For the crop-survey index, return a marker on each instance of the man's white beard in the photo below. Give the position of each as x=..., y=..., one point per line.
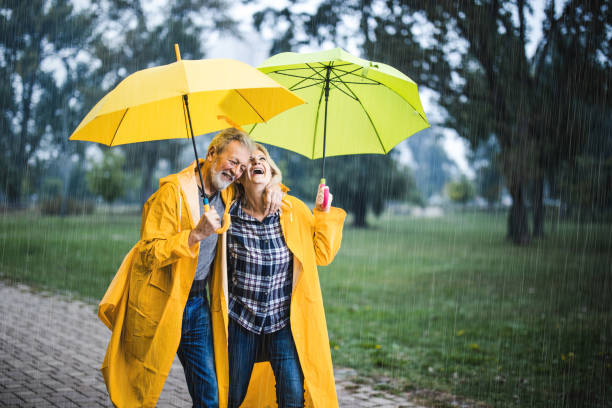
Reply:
x=218, y=180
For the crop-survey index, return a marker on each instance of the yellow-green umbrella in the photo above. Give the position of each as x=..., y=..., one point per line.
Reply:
x=184, y=99
x=364, y=106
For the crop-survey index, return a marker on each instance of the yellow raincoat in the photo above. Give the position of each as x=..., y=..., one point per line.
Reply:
x=314, y=239
x=144, y=303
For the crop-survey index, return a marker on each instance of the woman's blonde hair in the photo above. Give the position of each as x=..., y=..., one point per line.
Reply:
x=276, y=178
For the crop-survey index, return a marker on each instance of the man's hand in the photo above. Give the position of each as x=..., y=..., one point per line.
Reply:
x=209, y=223
x=273, y=198
x=321, y=196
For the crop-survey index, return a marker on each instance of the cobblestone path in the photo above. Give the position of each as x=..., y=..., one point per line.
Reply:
x=51, y=349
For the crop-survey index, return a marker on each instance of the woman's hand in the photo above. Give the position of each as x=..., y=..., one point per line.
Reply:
x=320, y=198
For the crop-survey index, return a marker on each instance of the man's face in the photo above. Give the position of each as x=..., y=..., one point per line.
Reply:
x=228, y=165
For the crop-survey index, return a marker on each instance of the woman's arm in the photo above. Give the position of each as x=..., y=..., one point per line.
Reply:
x=327, y=234
x=328, y=223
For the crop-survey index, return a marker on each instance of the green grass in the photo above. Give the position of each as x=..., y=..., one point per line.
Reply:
x=445, y=304
x=72, y=255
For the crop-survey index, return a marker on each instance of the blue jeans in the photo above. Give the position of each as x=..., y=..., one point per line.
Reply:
x=246, y=348
x=196, y=352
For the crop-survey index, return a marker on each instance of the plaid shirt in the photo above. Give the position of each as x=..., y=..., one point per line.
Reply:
x=260, y=268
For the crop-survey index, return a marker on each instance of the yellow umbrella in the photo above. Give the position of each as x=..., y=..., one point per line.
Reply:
x=150, y=104
x=160, y=102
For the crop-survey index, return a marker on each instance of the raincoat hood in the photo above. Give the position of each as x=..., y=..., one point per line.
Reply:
x=186, y=181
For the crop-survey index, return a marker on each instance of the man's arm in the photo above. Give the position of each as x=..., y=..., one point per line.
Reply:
x=275, y=191
x=162, y=241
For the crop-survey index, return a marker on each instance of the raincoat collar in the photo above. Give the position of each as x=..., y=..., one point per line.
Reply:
x=186, y=181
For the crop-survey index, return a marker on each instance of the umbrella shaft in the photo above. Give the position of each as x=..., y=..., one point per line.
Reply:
x=325, y=118
x=195, y=150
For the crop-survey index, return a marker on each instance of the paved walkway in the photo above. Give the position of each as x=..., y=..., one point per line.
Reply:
x=51, y=350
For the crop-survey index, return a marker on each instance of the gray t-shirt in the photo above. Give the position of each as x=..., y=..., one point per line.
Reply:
x=209, y=244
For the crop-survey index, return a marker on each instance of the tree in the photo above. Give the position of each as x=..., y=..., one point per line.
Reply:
x=584, y=186
x=366, y=182
x=359, y=183
x=476, y=59
x=300, y=174
x=106, y=178
x=433, y=166
x=572, y=104
x=489, y=180
x=460, y=191
x=493, y=95
x=541, y=118
x=34, y=106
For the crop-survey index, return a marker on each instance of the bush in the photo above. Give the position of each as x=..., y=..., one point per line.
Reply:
x=53, y=206
x=460, y=191
x=52, y=187
x=106, y=178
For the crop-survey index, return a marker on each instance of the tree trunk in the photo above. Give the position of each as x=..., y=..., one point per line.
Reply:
x=12, y=187
x=538, y=208
x=18, y=171
x=21, y=161
x=518, y=227
x=146, y=189
x=360, y=212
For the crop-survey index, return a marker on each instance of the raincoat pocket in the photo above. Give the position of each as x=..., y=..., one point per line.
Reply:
x=143, y=315
x=149, y=294
x=154, y=295
x=162, y=279
x=138, y=332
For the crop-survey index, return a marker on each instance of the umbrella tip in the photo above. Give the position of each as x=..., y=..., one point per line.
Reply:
x=178, y=52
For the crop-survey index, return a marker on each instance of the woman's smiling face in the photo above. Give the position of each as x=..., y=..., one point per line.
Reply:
x=258, y=170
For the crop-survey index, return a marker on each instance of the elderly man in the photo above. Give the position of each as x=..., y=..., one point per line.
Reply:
x=166, y=309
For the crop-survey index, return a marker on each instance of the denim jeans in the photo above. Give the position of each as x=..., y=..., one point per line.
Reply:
x=196, y=352
x=245, y=348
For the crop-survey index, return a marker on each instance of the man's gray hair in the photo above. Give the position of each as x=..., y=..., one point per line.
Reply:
x=226, y=136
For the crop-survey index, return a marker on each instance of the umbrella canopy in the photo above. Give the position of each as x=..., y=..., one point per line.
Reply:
x=371, y=106
x=149, y=104
x=158, y=103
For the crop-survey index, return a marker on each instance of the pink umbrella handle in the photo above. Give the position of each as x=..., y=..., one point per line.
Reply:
x=325, y=194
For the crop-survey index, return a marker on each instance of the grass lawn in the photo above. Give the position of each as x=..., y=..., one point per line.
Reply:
x=72, y=255
x=444, y=304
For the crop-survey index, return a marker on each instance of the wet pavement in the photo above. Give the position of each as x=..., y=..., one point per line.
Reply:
x=51, y=349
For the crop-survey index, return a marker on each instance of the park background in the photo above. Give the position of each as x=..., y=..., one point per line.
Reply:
x=476, y=264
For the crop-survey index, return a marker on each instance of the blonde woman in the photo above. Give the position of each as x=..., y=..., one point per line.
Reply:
x=277, y=344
